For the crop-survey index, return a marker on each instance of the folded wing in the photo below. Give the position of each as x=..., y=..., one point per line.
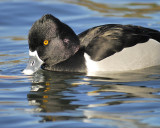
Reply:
x=103, y=41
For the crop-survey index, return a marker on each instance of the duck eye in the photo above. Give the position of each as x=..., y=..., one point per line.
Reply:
x=45, y=42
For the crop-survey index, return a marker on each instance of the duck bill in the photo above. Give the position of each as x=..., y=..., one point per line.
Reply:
x=34, y=63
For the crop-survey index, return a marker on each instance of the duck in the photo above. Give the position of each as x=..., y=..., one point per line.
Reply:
x=54, y=46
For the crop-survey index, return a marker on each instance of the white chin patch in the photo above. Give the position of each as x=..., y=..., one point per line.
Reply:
x=35, y=54
x=34, y=63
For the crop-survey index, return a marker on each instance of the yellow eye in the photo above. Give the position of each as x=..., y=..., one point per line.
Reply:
x=45, y=42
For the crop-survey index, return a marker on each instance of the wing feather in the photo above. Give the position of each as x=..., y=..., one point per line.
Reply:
x=103, y=41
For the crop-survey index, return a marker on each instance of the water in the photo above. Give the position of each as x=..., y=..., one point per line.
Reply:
x=75, y=100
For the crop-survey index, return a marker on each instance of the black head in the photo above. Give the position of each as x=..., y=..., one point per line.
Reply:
x=53, y=40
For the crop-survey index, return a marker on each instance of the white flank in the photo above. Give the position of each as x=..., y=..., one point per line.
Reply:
x=137, y=57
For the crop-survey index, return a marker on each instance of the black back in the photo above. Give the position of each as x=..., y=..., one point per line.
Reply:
x=103, y=41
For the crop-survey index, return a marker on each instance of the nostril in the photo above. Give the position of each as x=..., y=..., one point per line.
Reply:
x=32, y=63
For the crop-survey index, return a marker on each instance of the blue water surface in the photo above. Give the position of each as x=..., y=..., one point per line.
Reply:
x=75, y=100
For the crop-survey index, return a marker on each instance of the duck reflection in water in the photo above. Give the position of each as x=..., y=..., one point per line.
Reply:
x=71, y=96
x=47, y=94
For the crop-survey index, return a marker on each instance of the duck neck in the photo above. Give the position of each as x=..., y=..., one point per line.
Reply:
x=75, y=63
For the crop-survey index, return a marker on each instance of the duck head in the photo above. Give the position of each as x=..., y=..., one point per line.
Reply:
x=50, y=42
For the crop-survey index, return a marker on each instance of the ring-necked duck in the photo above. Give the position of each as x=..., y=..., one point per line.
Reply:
x=54, y=46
